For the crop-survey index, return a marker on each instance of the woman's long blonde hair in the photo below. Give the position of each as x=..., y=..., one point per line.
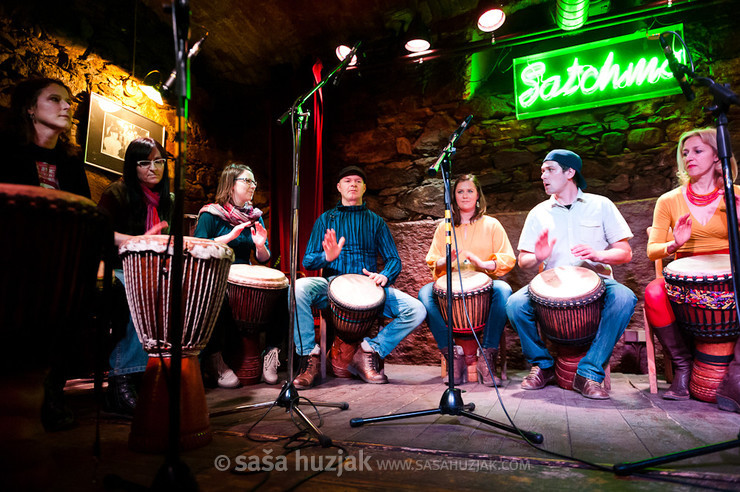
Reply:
x=709, y=137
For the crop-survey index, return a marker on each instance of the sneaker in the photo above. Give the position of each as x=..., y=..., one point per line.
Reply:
x=269, y=366
x=226, y=377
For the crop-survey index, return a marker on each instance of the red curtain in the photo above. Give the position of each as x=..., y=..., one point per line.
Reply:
x=311, y=185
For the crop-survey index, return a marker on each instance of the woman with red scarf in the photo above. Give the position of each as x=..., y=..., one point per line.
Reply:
x=688, y=221
x=138, y=203
x=233, y=220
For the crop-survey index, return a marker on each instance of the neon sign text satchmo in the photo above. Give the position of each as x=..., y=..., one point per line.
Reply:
x=607, y=72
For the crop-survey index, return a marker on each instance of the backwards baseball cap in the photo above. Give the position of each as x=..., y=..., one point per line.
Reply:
x=566, y=158
x=351, y=171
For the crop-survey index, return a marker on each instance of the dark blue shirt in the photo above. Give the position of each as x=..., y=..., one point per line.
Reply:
x=366, y=237
x=210, y=227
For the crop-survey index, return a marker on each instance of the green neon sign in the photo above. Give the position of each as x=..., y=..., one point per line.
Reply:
x=611, y=71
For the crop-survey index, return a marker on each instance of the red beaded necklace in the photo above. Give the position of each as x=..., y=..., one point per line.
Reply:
x=701, y=200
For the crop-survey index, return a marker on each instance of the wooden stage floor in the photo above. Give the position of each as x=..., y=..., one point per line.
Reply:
x=433, y=452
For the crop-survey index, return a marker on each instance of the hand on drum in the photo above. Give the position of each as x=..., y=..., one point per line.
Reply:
x=682, y=230
x=378, y=278
x=543, y=246
x=585, y=252
x=332, y=247
x=259, y=235
x=157, y=228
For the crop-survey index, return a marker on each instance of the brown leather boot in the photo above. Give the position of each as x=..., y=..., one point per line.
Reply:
x=484, y=377
x=309, y=375
x=366, y=365
x=728, y=391
x=461, y=368
x=672, y=340
x=341, y=357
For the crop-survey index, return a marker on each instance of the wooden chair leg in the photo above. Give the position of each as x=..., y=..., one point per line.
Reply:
x=650, y=349
x=322, y=345
x=502, y=354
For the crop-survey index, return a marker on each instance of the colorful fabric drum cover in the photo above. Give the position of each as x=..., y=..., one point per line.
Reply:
x=146, y=270
x=471, y=300
x=702, y=296
x=567, y=302
x=356, y=301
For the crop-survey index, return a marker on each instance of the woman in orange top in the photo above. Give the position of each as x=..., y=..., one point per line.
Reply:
x=695, y=213
x=481, y=241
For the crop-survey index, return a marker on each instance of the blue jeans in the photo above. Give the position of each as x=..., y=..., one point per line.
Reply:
x=619, y=305
x=407, y=313
x=494, y=325
x=128, y=356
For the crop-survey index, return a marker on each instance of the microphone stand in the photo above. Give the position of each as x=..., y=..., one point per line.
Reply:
x=289, y=397
x=451, y=402
x=723, y=98
x=174, y=473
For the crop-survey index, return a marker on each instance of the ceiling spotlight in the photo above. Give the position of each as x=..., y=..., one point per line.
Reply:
x=491, y=19
x=153, y=92
x=342, y=51
x=417, y=36
x=571, y=14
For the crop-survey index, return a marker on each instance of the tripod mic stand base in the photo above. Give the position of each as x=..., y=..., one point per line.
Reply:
x=289, y=399
x=450, y=404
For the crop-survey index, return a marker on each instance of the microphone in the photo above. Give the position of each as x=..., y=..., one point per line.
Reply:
x=345, y=63
x=194, y=50
x=434, y=168
x=676, y=70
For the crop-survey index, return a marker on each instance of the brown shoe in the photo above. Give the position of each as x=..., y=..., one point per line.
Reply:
x=484, y=377
x=589, y=388
x=366, y=365
x=538, y=378
x=341, y=357
x=461, y=368
x=309, y=375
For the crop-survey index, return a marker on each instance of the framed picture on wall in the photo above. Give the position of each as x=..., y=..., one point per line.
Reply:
x=110, y=128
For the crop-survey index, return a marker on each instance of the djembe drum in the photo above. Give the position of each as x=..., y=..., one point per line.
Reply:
x=147, y=273
x=52, y=245
x=253, y=291
x=355, y=303
x=701, y=294
x=567, y=303
x=471, y=301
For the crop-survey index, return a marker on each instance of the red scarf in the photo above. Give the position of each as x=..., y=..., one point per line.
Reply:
x=232, y=214
x=152, y=202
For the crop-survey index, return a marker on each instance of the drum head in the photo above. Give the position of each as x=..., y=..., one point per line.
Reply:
x=257, y=276
x=700, y=267
x=472, y=281
x=196, y=247
x=355, y=291
x=566, y=282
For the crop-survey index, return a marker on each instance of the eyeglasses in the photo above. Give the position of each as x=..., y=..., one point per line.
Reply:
x=247, y=180
x=157, y=163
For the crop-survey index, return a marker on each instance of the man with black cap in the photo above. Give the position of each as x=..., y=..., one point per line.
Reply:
x=348, y=239
x=577, y=229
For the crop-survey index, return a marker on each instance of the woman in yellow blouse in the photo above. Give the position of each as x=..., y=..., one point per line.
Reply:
x=481, y=241
x=688, y=221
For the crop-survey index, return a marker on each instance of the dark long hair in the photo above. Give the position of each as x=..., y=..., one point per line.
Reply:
x=139, y=150
x=480, y=206
x=24, y=97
